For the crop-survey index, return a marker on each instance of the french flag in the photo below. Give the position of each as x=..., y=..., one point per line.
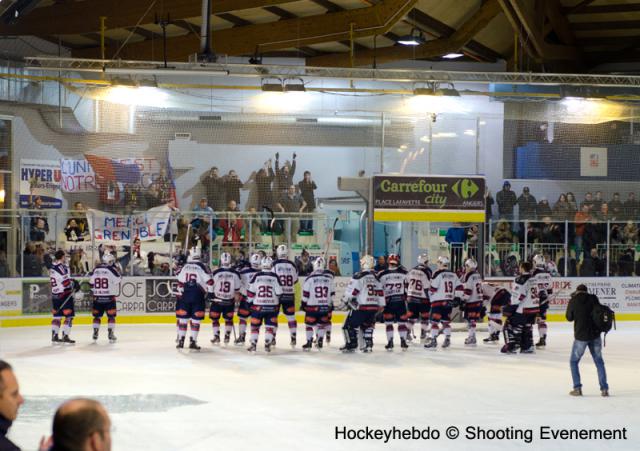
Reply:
x=110, y=170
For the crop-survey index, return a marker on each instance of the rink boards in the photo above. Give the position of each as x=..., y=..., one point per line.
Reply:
x=27, y=302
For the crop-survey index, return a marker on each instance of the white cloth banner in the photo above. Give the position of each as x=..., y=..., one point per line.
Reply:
x=77, y=176
x=118, y=229
x=593, y=162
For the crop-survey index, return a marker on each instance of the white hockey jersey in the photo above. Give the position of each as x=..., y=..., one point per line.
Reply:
x=194, y=281
x=226, y=284
x=472, y=283
x=105, y=282
x=318, y=290
x=287, y=275
x=367, y=291
x=394, y=284
x=445, y=286
x=61, y=281
x=524, y=294
x=418, y=284
x=265, y=289
x=245, y=279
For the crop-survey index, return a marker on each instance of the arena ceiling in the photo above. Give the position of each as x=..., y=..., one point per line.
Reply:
x=550, y=35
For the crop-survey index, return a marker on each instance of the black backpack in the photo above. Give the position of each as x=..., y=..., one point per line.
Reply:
x=603, y=318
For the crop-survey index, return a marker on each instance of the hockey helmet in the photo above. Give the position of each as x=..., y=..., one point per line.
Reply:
x=225, y=260
x=393, y=260
x=423, y=259
x=471, y=264
x=318, y=264
x=255, y=260
x=282, y=251
x=539, y=261
x=443, y=261
x=108, y=258
x=194, y=255
x=267, y=263
x=367, y=263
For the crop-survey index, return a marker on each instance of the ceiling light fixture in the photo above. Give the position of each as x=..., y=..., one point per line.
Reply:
x=272, y=86
x=452, y=56
x=296, y=86
x=415, y=38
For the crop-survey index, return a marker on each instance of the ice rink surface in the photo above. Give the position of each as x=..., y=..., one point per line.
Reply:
x=224, y=398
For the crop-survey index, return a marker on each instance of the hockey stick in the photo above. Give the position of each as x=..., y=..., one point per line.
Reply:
x=329, y=241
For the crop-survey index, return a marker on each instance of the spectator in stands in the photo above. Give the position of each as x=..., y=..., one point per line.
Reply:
x=205, y=217
x=488, y=205
x=594, y=234
x=581, y=219
x=456, y=237
x=163, y=187
x=527, y=206
x=597, y=201
x=472, y=241
x=588, y=202
x=592, y=265
x=264, y=178
x=381, y=264
x=307, y=186
x=631, y=207
x=333, y=267
x=533, y=233
x=303, y=264
x=233, y=184
x=253, y=226
x=551, y=232
x=292, y=203
x=81, y=424
x=503, y=234
x=214, y=187
x=39, y=226
x=615, y=235
x=506, y=200
x=80, y=218
x=10, y=402
x=562, y=209
x=603, y=212
x=284, y=174
x=630, y=233
x=131, y=197
x=543, y=209
x=573, y=204
x=626, y=263
x=72, y=231
x=616, y=208
x=162, y=269
x=32, y=266
x=4, y=265
x=232, y=225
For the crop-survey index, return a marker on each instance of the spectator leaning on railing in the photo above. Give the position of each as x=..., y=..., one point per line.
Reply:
x=307, y=187
x=527, y=206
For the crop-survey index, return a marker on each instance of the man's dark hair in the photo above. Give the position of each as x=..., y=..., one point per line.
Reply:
x=3, y=366
x=582, y=287
x=526, y=266
x=59, y=255
x=72, y=427
x=307, y=172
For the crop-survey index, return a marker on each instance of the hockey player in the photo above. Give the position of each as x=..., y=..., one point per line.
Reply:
x=244, y=312
x=365, y=298
x=498, y=298
x=444, y=291
x=472, y=299
x=287, y=274
x=525, y=307
x=226, y=289
x=393, y=280
x=264, y=295
x=63, y=288
x=545, y=290
x=105, y=282
x=194, y=285
x=317, y=297
x=418, y=283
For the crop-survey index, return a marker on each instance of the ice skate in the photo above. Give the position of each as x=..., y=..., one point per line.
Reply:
x=227, y=338
x=252, y=347
x=180, y=344
x=328, y=337
x=495, y=336
x=470, y=341
x=389, y=346
x=319, y=343
x=193, y=345
x=529, y=350
x=447, y=342
x=267, y=346
x=431, y=342
x=54, y=338
x=216, y=339
x=403, y=344
x=542, y=342
x=240, y=340
x=293, y=341
x=506, y=349
x=307, y=347
x=67, y=340
x=112, y=336
x=423, y=336
x=368, y=346
x=95, y=334
x=347, y=349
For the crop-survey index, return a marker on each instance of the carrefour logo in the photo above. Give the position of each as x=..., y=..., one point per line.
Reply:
x=465, y=188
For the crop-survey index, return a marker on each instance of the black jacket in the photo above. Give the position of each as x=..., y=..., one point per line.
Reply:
x=579, y=311
x=5, y=443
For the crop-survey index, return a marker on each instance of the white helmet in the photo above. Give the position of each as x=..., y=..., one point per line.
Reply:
x=225, y=260
x=282, y=251
x=108, y=258
x=423, y=259
x=367, y=263
x=318, y=264
x=393, y=260
x=471, y=264
x=254, y=260
x=194, y=255
x=443, y=261
x=266, y=263
x=78, y=296
x=539, y=261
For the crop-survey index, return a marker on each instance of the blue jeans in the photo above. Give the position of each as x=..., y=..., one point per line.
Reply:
x=595, y=348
